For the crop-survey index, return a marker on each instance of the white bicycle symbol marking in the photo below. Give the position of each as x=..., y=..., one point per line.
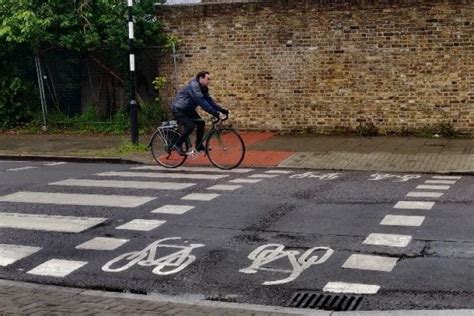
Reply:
x=325, y=176
x=271, y=252
x=403, y=178
x=174, y=262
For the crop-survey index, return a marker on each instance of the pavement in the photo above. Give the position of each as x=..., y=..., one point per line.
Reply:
x=264, y=149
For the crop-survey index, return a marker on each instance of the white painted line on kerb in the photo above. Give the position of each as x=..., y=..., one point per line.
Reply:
x=245, y=180
x=57, y=268
x=162, y=175
x=279, y=171
x=355, y=288
x=53, y=223
x=200, y=196
x=425, y=194
x=432, y=187
x=370, y=262
x=125, y=184
x=387, y=240
x=447, y=177
x=195, y=169
x=22, y=168
x=262, y=175
x=414, y=205
x=77, y=199
x=224, y=187
x=11, y=253
x=102, y=243
x=141, y=224
x=401, y=220
x=440, y=181
x=173, y=209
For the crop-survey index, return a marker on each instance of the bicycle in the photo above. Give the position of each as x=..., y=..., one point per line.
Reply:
x=223, y=146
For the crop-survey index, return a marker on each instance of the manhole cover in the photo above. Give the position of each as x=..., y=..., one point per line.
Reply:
x=332, y=302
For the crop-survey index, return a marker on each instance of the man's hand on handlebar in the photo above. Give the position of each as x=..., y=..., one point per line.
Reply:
x=223, y=116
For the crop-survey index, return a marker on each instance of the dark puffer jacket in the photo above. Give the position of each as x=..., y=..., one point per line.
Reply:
x=193, y=95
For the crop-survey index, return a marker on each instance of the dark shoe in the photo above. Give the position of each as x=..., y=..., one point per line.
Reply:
x=179, y=151
x=200, y=148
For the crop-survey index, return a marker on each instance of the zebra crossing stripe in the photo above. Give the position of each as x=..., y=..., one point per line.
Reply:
x=141, y=225
x=77, y=199
x=53, y=223
x=55, y=163
x=401, y=220
x=425, y=194
x=414, y=205
x=447, y=177
x=440, y=182
x=162, y=175
x=354, y=288
x=195, y=169
x=102, y=243
x=200, y=196
x=387, y=240
x=370, y=262
x=11, y=253
x=245, y=180
x=173, y=209
x=125, y=184
x=57, y=268
x=279, y=171
x=224, y=187
x=432, y=187
x=22, y=168
x=263, y=175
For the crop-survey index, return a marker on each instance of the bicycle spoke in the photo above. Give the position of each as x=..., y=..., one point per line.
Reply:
x=225, y=148
x=161, y=148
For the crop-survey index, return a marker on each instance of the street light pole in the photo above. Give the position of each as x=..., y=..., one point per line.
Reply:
x=133, y=102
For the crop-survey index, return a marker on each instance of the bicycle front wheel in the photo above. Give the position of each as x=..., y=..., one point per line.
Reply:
x=225, y=148
x=161, y=144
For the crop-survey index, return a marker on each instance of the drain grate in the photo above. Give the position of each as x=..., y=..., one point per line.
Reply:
x=316, y=300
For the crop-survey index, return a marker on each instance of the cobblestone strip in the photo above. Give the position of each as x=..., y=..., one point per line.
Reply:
x=19, y=298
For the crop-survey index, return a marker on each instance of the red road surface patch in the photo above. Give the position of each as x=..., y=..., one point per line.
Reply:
x=253, y=158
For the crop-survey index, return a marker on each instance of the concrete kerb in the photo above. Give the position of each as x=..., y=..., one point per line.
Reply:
x=224, y=306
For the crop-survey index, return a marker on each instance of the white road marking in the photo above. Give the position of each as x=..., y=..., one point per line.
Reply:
x=12, y=253
x=102, y=243
x=432, y=187
x=200, y=196
x=279, y=171
x=414, y=205
x=77, y=199
x=440, y=182
x=388, y=240
x=224, y=187
x=401, y=220
x=447, y=177
x=196, y=169
x=57, y=268
x=245, y=180
x=141, y=224
x=54, y=223
x=355, y=288
x=262, y=175
x=22, y=168
x=125, y=184
x=162, y=175
x=369, y=262
x=425, y=194
x=173, y=209
x=55, y=163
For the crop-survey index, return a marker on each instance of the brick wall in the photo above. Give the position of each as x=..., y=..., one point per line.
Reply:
x=331, y=65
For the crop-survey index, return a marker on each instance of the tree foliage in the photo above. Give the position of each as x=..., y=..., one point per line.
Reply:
x=98, y=27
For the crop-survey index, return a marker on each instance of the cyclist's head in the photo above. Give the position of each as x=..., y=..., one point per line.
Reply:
x=203, y=78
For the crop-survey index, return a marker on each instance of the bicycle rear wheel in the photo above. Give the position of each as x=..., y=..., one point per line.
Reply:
x=225, y=148
x=161, y=144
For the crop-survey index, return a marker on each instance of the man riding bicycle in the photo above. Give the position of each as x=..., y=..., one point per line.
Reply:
x=195, y=93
